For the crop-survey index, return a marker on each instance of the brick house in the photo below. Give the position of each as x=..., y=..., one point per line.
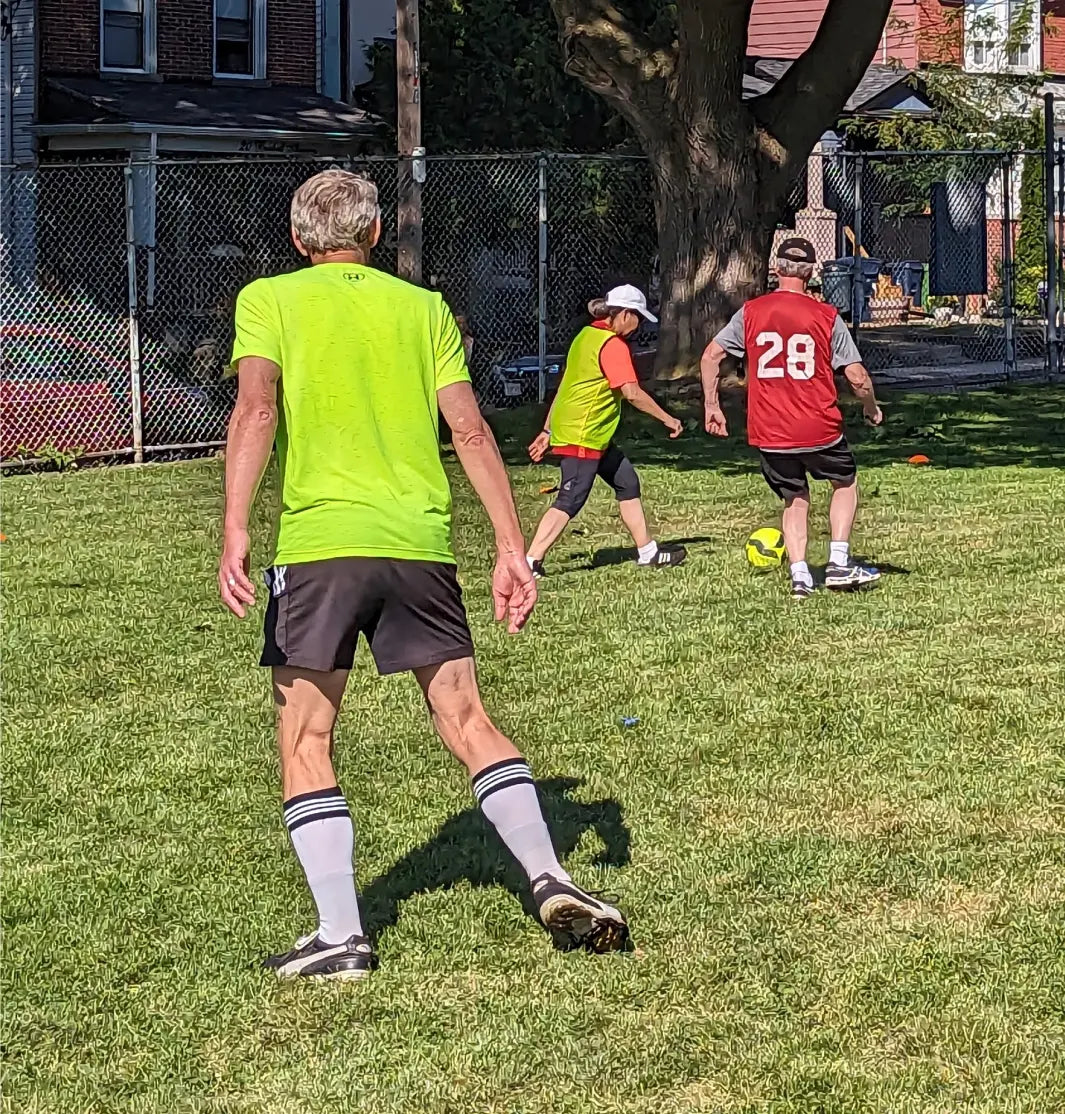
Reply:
x=977, y=36
x=969, y=33
x=86, y=77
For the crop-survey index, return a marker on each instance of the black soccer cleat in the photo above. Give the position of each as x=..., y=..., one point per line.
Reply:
x=666, y=556
x=312, y=958
x=578, y=917
x=537, y=569
x=801, y=589
x=849, y=577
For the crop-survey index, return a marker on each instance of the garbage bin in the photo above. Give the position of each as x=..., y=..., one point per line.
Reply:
x=870, y=270
x=909, y=275
x=837, y=283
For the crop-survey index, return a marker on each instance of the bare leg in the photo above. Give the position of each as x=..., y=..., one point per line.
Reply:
x=317, y=817
x=502, y=781
x=632, y=515
x=459, y=716
x=843, y=572
x=307, y=705
x=842, y=510
x=794, y=526
x=547, y=533
x=503, y=786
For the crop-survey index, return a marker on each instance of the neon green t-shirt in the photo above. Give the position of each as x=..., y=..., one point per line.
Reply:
x=362, y=355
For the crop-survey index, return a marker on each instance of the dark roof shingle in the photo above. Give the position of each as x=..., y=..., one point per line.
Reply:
x=88, y=100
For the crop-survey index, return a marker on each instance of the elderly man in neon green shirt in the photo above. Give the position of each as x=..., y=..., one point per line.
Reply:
x=348, y=368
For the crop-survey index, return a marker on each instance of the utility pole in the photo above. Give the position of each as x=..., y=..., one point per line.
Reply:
x=411, y=165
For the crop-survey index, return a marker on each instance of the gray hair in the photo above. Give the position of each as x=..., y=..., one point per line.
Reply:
x=791, y=268
x=335, y=211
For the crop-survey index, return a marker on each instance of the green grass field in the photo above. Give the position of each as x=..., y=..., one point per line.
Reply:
x=839, y=827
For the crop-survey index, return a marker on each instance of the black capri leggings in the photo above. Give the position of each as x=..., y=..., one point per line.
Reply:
x=578, y=478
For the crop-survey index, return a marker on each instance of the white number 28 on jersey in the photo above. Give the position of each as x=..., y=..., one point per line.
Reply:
x=800, y=359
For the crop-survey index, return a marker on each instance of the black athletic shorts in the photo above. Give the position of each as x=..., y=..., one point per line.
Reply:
x=411, y=613
x=786, y=473
x=578, y=477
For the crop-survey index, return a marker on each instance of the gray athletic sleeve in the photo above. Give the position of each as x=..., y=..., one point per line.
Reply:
x=844, y=350
x=731, y=336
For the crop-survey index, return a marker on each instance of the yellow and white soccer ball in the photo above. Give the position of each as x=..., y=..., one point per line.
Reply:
x=765, y=548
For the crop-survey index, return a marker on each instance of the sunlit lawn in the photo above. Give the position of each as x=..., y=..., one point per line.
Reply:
x=839, y=827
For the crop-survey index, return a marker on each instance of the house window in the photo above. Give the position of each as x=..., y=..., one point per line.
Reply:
x=980, y=52
x=127, y=35
x=240, y=38
x=1020, y=55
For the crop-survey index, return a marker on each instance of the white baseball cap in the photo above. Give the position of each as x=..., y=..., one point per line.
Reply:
x=629, y=297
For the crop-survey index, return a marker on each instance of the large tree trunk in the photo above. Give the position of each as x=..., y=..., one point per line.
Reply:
x=721, y=164
x=715, y=224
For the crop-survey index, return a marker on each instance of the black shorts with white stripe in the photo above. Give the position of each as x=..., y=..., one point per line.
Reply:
x=410, y=612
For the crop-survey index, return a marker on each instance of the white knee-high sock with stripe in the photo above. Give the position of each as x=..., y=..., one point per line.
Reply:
x=507, y=796
x=323, y=838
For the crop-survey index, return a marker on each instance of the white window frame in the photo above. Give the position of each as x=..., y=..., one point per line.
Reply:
x=147, y=47
x=258, y=44
x=1015, y=57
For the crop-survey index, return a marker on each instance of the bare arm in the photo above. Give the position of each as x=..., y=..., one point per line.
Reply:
x=513, y=586
x=861, y=384
x=636, y=396
x=542, y=441
x=710, y=373
x=251, y=437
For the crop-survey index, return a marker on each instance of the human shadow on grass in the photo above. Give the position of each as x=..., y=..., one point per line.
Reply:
x=467, y=849
x=619, y=555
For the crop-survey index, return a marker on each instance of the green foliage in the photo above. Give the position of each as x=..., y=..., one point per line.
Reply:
x=492, y=80
x=50, y=459
x=1030, y=256
x=973, y=110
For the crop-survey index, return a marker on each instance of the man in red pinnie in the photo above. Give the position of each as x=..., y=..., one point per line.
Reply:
x=793, y=344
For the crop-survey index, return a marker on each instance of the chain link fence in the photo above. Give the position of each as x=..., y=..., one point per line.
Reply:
x=120, y=280
x=926, y=267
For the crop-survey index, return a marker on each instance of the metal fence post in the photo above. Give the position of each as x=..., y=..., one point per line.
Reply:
x=1053, y=353
x=541, y=282
x=136, y=401
x=1060, y=218
x=1009, y=311
x=858, y=283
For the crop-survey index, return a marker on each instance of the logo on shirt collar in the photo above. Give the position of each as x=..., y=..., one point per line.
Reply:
x=352, y=276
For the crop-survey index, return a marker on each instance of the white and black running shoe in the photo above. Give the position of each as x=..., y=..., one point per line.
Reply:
x=850, y=576
x=666, y=556
x=578, y=917
x=801, y=589
x=313, y=958
x=537, y=569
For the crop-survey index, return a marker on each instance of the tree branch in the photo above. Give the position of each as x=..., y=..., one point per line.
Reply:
x=813, y=92
x=609, y=53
